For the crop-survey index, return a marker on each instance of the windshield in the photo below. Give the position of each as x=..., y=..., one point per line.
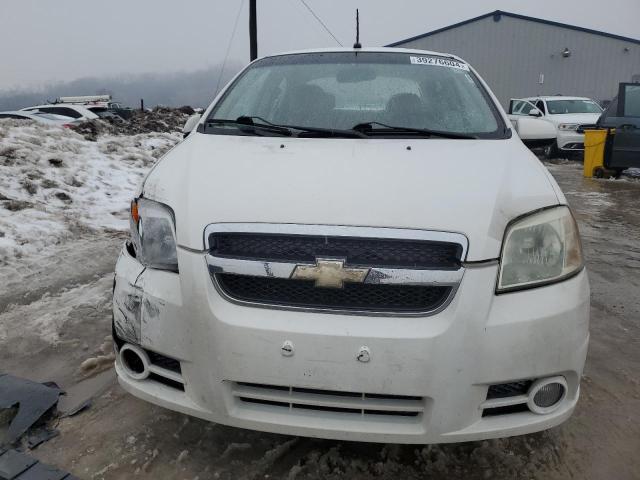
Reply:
x=559, y=107
x=341, y=90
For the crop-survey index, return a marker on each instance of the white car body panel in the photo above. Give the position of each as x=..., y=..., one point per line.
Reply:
x=536, y=129
x=438, y=366
x=47, y=119
x=85, y=113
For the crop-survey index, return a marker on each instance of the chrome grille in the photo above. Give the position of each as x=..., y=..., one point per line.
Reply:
x=399, y=271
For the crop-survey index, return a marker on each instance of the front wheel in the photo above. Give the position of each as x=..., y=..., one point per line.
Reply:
x=551, y=151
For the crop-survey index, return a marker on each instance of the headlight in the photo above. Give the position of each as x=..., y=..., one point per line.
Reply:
x=153, y=234
x=541, y=248
x=568, y=126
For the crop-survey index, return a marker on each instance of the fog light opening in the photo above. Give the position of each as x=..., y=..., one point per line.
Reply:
x=547, y=394
x=135, y=361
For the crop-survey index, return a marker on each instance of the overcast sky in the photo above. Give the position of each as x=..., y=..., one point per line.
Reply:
x=43, y=41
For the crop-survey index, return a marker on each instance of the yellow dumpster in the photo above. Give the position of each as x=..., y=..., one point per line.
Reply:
x=594, y=142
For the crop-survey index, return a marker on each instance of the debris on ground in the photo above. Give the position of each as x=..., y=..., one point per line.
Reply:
x=84, y=405
x=95, y=363
x=15, y=465
x=160, y=119
x=34, y=400
x=183, y=456
x=41, y=435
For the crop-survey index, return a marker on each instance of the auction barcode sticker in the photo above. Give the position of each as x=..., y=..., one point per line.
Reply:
x=442, y=62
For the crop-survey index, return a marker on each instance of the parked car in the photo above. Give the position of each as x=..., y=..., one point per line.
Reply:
x=623, y=115
x=353, y=244
x=77, y=112
x=112, y=110
x=569, y=115
x=106, y=113
x=101, y=105
x=46, y=118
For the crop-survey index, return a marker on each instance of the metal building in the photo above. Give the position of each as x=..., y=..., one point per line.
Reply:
x=522, y=56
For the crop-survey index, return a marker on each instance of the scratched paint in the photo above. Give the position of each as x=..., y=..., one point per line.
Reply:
x=127, y=300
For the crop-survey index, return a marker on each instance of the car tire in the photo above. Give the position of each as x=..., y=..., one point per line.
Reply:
x=551, y=151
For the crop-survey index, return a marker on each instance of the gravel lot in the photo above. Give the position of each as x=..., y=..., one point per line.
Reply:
x=65, y=295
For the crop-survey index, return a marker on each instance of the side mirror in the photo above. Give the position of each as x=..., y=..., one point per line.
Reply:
x=535, y=133
x=534, y=112
x=190, y=124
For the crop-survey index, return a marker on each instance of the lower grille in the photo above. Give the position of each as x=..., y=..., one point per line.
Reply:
x=506, y=398
x=354, y=296
x=507, y=409
x=512, y=389
x=164, y=362
x=586, y=126
x=348, y=403
x=166, y=381
x=573, y=146
x=157, y=359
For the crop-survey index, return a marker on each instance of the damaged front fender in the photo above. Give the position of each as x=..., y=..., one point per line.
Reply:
x=146, y=302
x=127, y=299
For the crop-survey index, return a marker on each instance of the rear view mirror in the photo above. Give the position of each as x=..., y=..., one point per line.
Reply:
x=355, y=73
x=534, y=112
x=190, y=124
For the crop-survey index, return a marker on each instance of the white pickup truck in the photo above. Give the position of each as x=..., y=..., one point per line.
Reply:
x=354, y=244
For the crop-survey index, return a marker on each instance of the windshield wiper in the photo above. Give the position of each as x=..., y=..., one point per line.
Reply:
x=264, y=124
x=245, y=121
x=327, y=132
x=368, y=128
x=324, y=132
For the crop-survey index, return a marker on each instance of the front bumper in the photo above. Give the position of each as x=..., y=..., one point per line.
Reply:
x=447, y=360
x=570, y=141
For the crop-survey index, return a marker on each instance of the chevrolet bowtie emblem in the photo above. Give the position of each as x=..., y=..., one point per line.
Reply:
x=329, y=273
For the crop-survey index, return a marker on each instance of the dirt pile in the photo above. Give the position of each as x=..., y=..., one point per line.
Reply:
x=160, y=119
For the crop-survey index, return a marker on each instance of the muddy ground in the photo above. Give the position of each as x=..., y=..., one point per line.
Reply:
x=120, y=437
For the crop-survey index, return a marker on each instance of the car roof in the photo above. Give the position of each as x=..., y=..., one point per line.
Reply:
x=555, y=97
x=367, y=49
x=70, y=105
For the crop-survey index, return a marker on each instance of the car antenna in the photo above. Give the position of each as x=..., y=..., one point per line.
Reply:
x=357, y=44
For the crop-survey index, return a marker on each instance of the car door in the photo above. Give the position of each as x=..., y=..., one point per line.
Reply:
x=534, y=131
x=518, y=107
x=541, y=106
x=623, y=114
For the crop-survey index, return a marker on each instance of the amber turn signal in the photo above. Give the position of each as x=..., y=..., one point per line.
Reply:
x=134, y=212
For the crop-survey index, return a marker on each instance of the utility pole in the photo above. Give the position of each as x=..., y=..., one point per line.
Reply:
x=253, y=31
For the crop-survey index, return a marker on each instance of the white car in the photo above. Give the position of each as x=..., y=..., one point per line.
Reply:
x=353, y=244
x=569, y=115
x=46, y=118
x=77, y=112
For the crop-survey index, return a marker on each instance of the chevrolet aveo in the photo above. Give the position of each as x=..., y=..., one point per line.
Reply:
x=354, y=244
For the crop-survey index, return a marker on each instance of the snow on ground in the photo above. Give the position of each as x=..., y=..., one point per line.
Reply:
x=47, y=317
x=54, y=184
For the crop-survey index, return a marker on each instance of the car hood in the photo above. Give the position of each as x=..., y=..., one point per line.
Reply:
x=474, y=187
x=580, y=118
